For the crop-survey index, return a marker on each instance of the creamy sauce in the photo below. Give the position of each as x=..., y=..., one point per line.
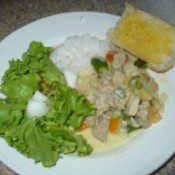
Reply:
x=112, y=140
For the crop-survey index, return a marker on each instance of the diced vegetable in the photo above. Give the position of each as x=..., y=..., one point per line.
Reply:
x=140, y=64
x=36, y=108
x=82, y=127
x=130, y=128
x=123, y=115
x=38, y=96
x=38, y=105
x=110, y=56
x=115, y=124
x=99, y=65
x=136, y=82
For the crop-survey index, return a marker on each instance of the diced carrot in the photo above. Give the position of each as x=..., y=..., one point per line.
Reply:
x=82, y=127
x=110, y=56
x=154, y=115
x=114, y=125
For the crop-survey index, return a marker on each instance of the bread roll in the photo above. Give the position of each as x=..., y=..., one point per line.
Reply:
x=145, y=36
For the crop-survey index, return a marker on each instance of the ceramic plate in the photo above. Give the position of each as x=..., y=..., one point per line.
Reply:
x=141, y=154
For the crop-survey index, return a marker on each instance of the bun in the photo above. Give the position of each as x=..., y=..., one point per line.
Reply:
x=145, y=36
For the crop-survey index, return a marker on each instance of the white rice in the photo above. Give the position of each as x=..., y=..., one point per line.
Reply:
x=76, y=52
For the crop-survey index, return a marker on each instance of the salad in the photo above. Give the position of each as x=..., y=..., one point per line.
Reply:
x=44, y=138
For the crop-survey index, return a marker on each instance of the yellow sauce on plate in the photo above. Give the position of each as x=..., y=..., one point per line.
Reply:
x=112, y=140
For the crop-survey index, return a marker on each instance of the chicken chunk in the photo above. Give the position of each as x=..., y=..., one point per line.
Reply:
x=119, y=60
x=100, y=129
x=132, y=105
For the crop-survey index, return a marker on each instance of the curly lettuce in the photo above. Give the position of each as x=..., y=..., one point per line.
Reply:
x=44, y=139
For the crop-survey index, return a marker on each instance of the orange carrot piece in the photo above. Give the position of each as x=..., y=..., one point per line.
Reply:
x=82, y=127
x=114, y=125
x=110, y=56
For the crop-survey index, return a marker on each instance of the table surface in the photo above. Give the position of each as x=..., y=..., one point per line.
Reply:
x=17, y=13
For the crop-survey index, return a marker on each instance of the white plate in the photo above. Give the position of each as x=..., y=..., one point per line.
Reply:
x=141, y=155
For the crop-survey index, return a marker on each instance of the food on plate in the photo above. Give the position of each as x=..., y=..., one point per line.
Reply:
x=117, y=83
x=77, y=51
x=147, y=37
x=125, y=95
x=52, y=96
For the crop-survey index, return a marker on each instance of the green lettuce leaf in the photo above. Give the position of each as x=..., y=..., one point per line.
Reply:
x=82, y=148
x=23, y=76
x=43, y=139
x=32, y=142
x=10, y=114
x=70, y=108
